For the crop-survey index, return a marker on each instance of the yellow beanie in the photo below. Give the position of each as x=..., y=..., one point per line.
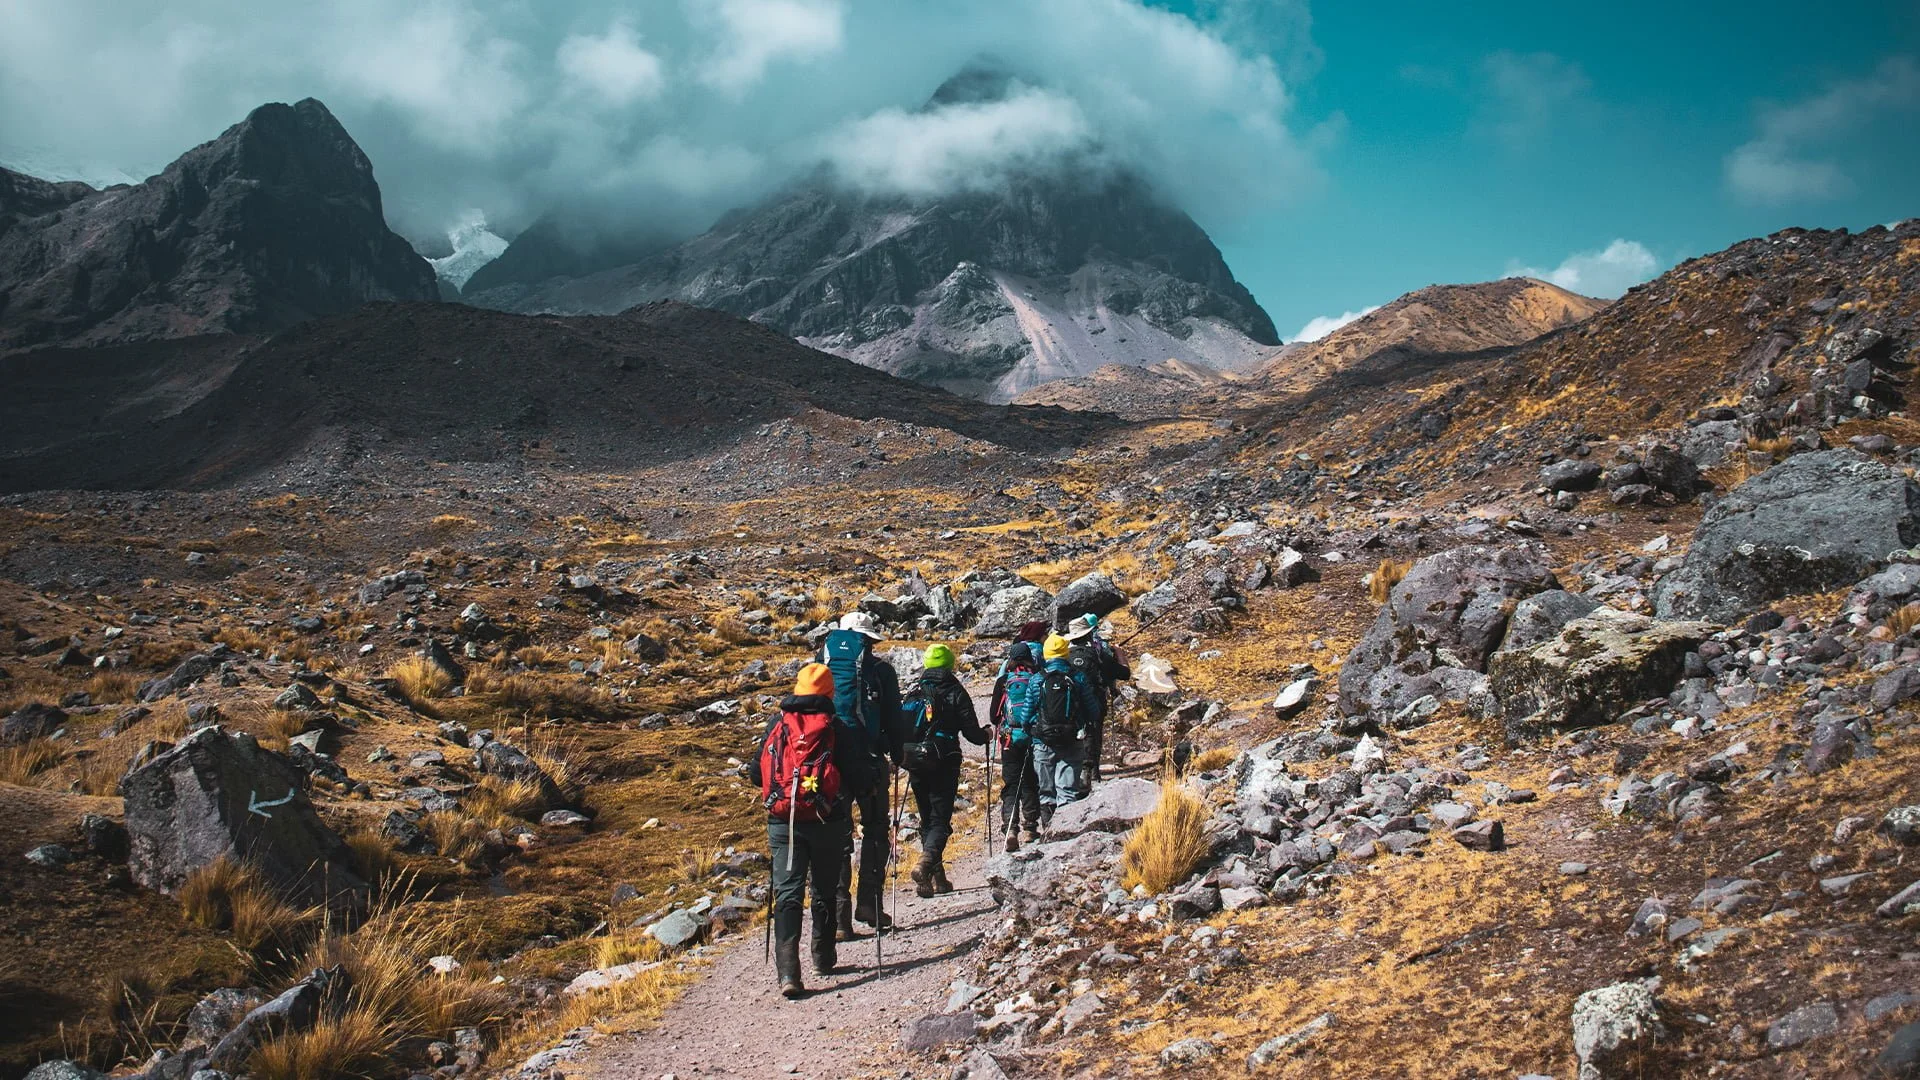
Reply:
x=1055, y=648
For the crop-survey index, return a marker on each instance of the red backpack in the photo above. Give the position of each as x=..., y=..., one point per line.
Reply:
x=798, y=778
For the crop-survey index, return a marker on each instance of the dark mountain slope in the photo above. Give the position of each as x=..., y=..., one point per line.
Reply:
x=277, y=220
x=448, y=382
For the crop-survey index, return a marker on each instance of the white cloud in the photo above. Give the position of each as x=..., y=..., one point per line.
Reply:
x=755, y=33
x=1527, y=93
x=1322, y=325
x=613, y=67
x=1606, y=273
x=1782, y=162
x=957, y=147
x=671, y=112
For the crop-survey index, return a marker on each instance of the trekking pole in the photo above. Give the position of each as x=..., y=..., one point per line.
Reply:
x=768, y=958
x=793, y=817
x=988, y=807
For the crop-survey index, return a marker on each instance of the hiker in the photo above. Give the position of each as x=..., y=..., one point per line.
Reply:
x=808, y=764
x=933, y=717
x=1097, y=663
x=1015, y=705
x=1058, y=750
x=867, y=694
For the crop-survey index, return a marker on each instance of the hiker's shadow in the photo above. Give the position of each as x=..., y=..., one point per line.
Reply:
x=899, y=967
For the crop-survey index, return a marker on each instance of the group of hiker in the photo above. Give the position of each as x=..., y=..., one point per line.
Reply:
x=841, y=739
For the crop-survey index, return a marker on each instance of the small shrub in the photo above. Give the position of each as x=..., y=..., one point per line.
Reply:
x=20, y=764
x=374, y=855
x=1389, y=573
x=1903, y=621
x=456, y=836
x=1218, y=757
x=1168, y=843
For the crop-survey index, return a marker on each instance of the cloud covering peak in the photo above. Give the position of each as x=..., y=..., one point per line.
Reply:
x=674, y=110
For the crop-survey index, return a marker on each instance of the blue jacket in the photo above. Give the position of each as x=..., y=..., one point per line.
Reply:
x=1087, y=705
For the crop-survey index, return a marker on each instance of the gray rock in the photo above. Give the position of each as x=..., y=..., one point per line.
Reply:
x=34, y=720
x=49, y=856
x=1451, y=815
x=1671, y=471
x=1831, y=746
x=1482, y=836
x=1904, y=902
x=1450, y=611
x=294, y=1010
x=382, y=587
x=563, y=819
x=1598, y=667
x=1033, y=881
x=1814, y=522
x=1149, y=606
x=930, y=1033
x=1572, y=474
x=1901, y=825
x=1612, y=1027
x=1294, y=697
x=1194, y=903
x=1094, y=594
x=218, y=1013
x=677, y=930
x=1080, y=1010
x=1188, y=1052
x=1898, y=1060
x=104, y=837
x=1803, y=1025
x=1009, y=609
x=62, y=1069
x=1541, y=617
x=1898, y=583
x=190, y=671
x=1270, y=1051
x=510, y=763
x=297, y=696
x=1115, y=806
x=1901, y=684
x=1649, y=918
x=1888, y=1004
x=220, y=795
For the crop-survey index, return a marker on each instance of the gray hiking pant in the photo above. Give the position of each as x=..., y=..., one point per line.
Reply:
x=1057, y=768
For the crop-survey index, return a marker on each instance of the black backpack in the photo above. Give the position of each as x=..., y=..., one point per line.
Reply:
x=1057, y=724
x=1087, y=669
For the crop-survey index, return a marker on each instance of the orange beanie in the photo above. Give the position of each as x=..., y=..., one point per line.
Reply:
x=814, y=680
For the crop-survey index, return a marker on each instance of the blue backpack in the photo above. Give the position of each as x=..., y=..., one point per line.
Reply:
x=846, y=656
x=1022, y=702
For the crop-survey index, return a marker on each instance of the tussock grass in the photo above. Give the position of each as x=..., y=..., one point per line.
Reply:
x=353, y=1043
x=419, y=680
x=1168, y=843
x=244, y=639
x=1389, y=573
x=20, y=764
x=375, y=856
x=457, y=836
x=625, y=947
x=1218, y=757
x=495, y=799
x=535, y=695
x=109, y=687
x=230, y=895
x=1903, y=621
x=449, y=523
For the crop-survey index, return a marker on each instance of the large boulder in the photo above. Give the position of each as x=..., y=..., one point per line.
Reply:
x=1094, y=594
x=220, y=795
x=1540, y=617
x=296, y=1009
x=34, y=720
x=1593, y=671
x=1613, y=1029
x=506, y=762
x=1036, y=879
x=1441, y=621
x=1814, y=522
x=1115, y=806
x=1006, y=611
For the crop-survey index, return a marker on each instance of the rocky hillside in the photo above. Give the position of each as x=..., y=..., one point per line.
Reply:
x=275, y=221
x=1439, y=319
x=448, y=382
x=985, y=294
x=1169, y=388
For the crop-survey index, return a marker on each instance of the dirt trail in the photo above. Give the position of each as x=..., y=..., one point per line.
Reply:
x=733, y=1022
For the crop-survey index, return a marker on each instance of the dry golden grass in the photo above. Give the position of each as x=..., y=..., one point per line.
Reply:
x=625, y=947
x=374, y=854
x=496, y=800
x=110, y=687
x=280, y=726
x=20, y=764
x=244, y=639
x=354, y=1043
x=1389, y=573
x=1218, y=757
x=824, y=606
x=457, y=836
x=419, y=680
x=230, y=895
x=450, y=523
x=1904, y=620
x=732, y=631
x=542, y=696
x=1168, y=843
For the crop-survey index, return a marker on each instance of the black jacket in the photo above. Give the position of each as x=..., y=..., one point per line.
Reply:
x=850, y=753
x=950, y=710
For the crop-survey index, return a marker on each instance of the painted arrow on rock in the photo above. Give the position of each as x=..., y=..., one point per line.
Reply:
x=256, y=807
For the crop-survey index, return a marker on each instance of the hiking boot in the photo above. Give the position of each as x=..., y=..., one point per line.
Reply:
x=941, y=885
x=1013, y=840
x=867, y=910
x=923, y=877
x=786, y=961
x=843, y=915
x=825, y=956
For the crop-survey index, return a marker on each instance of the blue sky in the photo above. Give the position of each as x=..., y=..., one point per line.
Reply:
x=1481, y=138
x=1340, y=154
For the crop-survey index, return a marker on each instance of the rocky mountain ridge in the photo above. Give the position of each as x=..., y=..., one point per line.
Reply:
x=277, y=220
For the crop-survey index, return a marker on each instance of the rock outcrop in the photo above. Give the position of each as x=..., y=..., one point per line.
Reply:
x=220, y=795
x=276, y=221
x=1439, y=625
x=1815, y=522
x=1596, y=668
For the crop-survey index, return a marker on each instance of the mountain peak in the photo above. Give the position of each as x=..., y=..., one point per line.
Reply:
x=983, y=80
